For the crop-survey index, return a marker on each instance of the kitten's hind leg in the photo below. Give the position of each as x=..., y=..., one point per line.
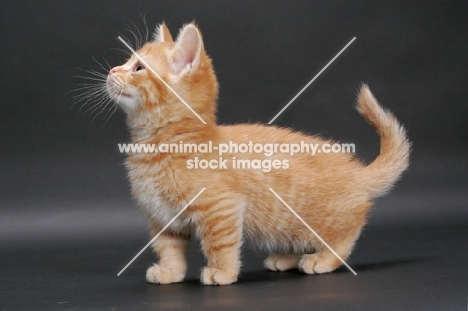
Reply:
x=319, y=263
x=282, y=262
x=172, y=265
x=324, y=261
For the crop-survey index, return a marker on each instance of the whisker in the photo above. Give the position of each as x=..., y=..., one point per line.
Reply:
x=87, y=97
x=90, y=93
x=112, y=110
x=122, y=51
x=109, y=66
x=108, y=114
x=135, y=39
x=96, y=111
x=104, y=104
x=79, y=99
x=94, y=72
x=93, y=108
x=138, y=35
x=100, y=79
x=101, y=76
x=100, y=65
x=146, y=38
x=83, y=90
x=84, y=86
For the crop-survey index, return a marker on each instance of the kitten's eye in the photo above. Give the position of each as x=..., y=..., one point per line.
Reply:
x=139, y=67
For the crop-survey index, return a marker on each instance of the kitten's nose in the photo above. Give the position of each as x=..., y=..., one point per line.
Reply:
x=112, y=71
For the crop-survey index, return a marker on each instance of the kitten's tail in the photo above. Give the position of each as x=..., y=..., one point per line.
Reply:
x=395, y=147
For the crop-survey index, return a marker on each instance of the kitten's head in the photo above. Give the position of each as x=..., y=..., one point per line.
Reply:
x=182, y=64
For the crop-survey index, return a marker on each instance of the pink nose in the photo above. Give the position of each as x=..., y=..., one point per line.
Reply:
x=112, y=71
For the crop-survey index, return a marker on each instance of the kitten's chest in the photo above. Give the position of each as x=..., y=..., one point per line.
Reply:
x=155, y=191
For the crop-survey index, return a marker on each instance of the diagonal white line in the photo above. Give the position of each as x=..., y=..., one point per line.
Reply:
x=310, y=82
x=313, y=231
x=162, y=230
x=161, y=79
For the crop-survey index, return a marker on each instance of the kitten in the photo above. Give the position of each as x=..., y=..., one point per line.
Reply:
x=332, y=192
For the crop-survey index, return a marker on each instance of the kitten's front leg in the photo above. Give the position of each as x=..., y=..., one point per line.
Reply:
x=171, y=250
x=221, y=237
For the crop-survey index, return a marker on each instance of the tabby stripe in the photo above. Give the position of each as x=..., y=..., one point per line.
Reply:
x=225, y=230
x=219, y=247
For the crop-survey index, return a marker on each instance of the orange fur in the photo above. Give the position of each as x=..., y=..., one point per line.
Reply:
x=331, y=192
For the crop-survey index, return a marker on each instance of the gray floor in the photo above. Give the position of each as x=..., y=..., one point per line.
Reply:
x=68, y=259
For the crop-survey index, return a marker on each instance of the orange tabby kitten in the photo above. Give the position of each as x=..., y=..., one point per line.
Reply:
x=332, y=192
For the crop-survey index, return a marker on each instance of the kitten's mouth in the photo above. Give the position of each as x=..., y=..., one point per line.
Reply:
x=125, y=95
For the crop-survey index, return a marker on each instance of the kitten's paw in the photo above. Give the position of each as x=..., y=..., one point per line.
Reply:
x=213, y=276
x=317, y=264
x=278, y=262
x=162, y=275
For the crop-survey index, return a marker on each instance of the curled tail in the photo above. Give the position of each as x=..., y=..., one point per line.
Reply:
x=395, y=147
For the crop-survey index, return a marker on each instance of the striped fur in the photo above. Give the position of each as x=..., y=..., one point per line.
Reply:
x=331, y=192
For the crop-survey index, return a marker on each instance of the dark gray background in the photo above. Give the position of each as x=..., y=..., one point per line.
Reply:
x=67, y=223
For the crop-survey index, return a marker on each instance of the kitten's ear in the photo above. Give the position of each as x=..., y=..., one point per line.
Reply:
x=187, y=50
x=162, y=34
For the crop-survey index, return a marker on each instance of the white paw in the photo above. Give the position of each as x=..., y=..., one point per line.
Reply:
x=270, y=262
x=314, y=264
x=213, y=276
x=161, y=275
x=277, y=262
